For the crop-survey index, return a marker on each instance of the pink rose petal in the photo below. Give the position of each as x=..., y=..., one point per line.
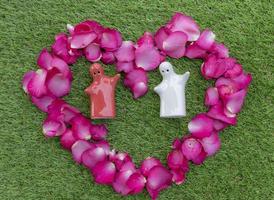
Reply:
x=105, y=145
x=52, y=128
x=159, y=178
x=81, y=127
x=36, y=85
x=174, y=44
x=26, y=79
x=146, y=40
x=212, y=67
x=126, y=52
x=44, y=59
x=139, y=89
x=80, y=41
x=43, y=102
x=175, y=159
x=191, y=148
x=61, y=48
x=57, y=84
x=137, y=80
x=160, y=36
x=198, y=160
x=104, y=172
x=111, y=39
x=69, y=112
x=200, y=126
x=147, y=57
x=67, y=139
x=136, y=183
x=93, y=52
x=108, y=57
x=211, y=144
x=176, y=144
x=217, y=112
x=234, y=72
x=206, y=39
x=178, y=176
x=194, y=51
x=120, y=159
x=234, y=102
x=148, y=164
x=92, y=156
x=219, y=125
x=98, y=131
x=211, y=96
x=220, y=50
x=120, y=183
x=78, y=148
x=242, y=81
x=125, y=66
x=186, y=24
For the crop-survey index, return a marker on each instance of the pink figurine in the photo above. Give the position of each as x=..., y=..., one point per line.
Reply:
x=102, y=93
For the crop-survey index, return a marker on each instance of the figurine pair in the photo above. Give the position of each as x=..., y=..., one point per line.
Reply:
x=171, y=91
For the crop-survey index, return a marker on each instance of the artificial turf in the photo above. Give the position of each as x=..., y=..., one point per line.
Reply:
x=32, y=167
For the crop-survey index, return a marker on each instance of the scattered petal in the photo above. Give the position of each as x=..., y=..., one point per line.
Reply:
x=206, y=39
x=52, y=128
x=211, y=144
x=78, y=148
x=194, y=51
x=67, y=139
x=175, y=159
x=93, y=52
x=217, y=112
x=146, y=40
x=57, y=84
x=92, y=156
x=220, y=50
x=43, y=102
x=211, y=96
x=148, y=164
x=178, y=176
x=174, y=45
x=108, y=57
x=111, y=39
x=147, y=57
x=136, y=183
x=104, y=172
x=219, y=125
x=125, y=66
x=191, y=148
x=126, y=52
x=159, y=178
x=36, y=86
x=234, y=72
x=98, y=131
x=200, y=126
x=198, y=160
x=186, y=24
x=81, y=127
x=26, y=79
x=160, y=36
x=234, y=102
x=44, y=59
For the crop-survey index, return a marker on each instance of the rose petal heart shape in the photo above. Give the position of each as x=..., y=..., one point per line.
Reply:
x=179, y=37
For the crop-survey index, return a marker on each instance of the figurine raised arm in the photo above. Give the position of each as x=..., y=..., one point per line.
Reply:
x=102, y=93
x=172, y=92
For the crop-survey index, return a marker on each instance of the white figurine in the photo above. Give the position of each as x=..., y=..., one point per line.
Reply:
x=172, y=92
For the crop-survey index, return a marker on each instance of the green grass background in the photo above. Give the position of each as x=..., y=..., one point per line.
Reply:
x=32, y=167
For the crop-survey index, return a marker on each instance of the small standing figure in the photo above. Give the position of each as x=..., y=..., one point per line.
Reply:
x=172, y=92
x=102, y=93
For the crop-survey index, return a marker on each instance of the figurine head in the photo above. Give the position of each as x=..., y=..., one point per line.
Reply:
x=96, y=71
x=166, y=69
